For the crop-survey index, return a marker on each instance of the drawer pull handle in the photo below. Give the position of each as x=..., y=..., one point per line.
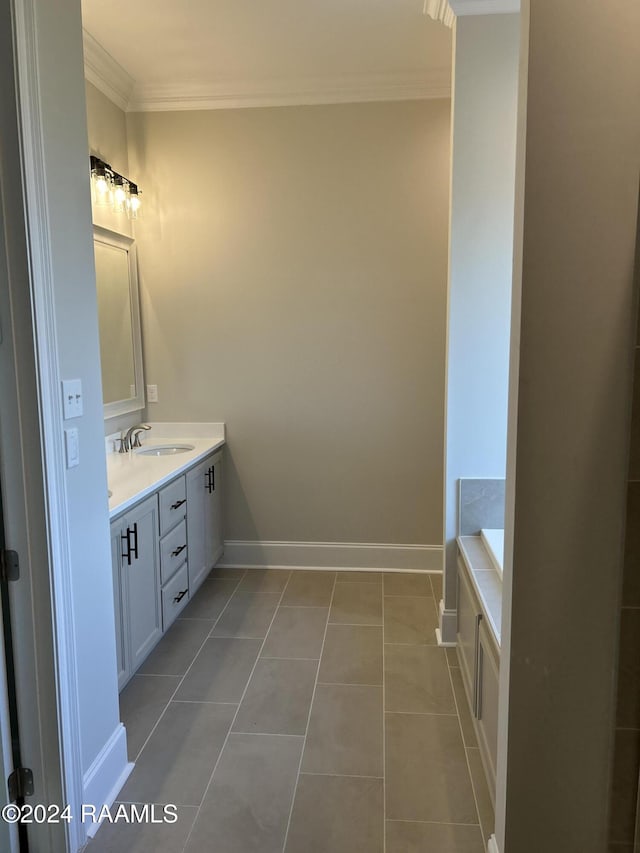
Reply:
x=178, y=551
x=180, y=596
x=178, y=503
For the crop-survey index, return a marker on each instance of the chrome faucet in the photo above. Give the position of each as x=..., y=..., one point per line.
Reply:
x=131, y=438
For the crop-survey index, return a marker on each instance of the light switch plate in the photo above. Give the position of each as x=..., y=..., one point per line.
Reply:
x=72, y=447
x=71, y=398
x=152, y=393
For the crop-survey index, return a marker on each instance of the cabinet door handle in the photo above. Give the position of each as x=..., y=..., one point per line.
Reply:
x=126, y=537
x=178, y=598
x=178, y=503
x=178, y=551
x=476, y=686
x=135, y=546
x=213, y=478
x=207, y=474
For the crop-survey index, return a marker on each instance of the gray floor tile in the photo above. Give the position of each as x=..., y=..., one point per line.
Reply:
x=218, y=572
x=141, y=702
x=409, y=837
x=247, y=615
x=409, y=619
x=417, y=680
x=148, y=837
x=407, y=583
x=337, y=814
x=464, y=710
x=278, y=697
x=352, y=655
x=296, y=632
x=357, y=604
x=359, y=577
x=210, y=599
x=427, y=778
x=176, y=650
x=221, y=671
x=264, y=580
x=247, y=806
x=309, y=589
x=176, y=764
x=436, y=586
x=481, y=790
x=452, y=656
x=345, y=731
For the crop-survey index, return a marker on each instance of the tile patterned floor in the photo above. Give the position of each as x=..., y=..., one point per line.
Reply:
x=303, y=712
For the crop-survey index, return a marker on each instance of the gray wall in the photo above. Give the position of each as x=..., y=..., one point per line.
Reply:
x=486, y=60
x=293, y=276
x=107, y=131
x=576, y=356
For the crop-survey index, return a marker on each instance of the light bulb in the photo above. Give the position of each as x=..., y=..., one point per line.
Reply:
x=100, y=182
x=134, y=202
x=120, y=193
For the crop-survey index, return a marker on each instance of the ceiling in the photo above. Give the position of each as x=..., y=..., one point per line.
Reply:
x=193, y=54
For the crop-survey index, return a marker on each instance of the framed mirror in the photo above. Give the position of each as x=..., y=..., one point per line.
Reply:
x=119, y=322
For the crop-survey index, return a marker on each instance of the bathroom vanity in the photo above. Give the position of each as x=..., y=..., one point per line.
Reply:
x=478, y=647
x=166, y=535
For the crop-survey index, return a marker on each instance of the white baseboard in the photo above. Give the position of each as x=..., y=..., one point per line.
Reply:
x=492, y=846
x=103, y=781
x=332, y=555
x=448, y=626
x=441, y=642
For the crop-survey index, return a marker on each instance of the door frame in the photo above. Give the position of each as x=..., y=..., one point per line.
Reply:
x=31, y=450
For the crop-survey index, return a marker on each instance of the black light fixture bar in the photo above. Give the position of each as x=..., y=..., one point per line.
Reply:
x=99, y=167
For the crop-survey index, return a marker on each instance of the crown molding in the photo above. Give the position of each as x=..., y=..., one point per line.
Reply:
x=484, y=7
x=294, y=91
x=101, y=69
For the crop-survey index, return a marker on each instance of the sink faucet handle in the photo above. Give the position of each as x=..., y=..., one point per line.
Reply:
x=123, y=443
x=136, y=434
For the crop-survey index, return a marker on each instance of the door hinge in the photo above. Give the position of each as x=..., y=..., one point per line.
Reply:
x=9, y=566
x=20, y=784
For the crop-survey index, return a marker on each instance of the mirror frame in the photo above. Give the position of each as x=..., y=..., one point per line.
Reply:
x=122, y=241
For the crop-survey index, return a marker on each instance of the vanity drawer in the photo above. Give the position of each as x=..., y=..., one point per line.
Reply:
x=173, y=551
x=175, y=596
x=173, y=504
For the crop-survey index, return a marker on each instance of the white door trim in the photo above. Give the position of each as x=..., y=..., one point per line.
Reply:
x=37, y=213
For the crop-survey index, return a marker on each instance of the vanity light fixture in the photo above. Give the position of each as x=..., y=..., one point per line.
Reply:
x=113, y=189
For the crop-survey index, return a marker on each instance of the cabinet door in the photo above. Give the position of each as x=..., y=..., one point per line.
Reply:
x=119, y=607
x=468, y=624
x=196, y=527
x=141, y=570
x=214, y=512
x=204, y=518
x=487, y=706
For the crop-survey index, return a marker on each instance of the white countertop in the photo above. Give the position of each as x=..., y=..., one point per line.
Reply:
x=132, y=476
x=486, y=580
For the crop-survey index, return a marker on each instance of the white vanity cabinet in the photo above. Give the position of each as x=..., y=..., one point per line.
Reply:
x=134, y=548
x=162, y=549
x=479, y=658
x=204, y=518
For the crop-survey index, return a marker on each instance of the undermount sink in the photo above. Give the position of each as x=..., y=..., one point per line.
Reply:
x=164, y=450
